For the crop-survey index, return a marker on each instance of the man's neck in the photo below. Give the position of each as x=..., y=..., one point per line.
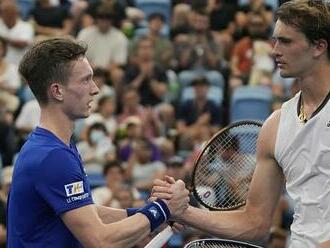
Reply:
x=314, y=88
x=315, y=85
x=57, y=123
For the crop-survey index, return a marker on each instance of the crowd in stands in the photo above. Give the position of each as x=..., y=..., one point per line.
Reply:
x=167, y=80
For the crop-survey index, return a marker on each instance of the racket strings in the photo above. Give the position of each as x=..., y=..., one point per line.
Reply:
x=217, y=244
x=225, y=168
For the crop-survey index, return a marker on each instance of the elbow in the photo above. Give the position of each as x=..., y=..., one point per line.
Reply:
x=261, y=227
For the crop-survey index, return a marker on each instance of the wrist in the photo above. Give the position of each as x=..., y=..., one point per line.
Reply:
x=131, y=211
x=157, y=213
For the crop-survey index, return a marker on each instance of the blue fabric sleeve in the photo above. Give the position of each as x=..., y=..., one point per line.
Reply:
x=61, y=181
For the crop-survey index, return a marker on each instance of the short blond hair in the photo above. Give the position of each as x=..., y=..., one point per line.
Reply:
x=311, y=17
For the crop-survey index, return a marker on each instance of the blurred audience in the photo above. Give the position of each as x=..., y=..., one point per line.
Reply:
x=9, y=80
x=147, y=120
x=141, y=169
x=251, y=58
x=145, y=75
x=97, y=149
x=51, y=20
x=109, y=195
x=17, y=33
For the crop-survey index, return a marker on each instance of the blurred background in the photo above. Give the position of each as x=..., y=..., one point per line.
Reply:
x=170, y=73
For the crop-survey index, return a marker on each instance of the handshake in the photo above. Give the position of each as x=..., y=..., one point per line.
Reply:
x=173, y=193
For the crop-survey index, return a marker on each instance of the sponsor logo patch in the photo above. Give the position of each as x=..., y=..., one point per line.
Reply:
x=154, y=212
x=74, y=188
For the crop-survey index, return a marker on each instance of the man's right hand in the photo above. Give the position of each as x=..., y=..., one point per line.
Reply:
x=174, y=193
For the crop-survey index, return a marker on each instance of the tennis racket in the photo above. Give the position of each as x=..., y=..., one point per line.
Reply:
x=218, y=243
x=222, y=171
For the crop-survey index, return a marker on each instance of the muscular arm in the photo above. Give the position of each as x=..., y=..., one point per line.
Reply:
x=110, y=215
x=94, y=227
x=254, y=221
x=88, y=228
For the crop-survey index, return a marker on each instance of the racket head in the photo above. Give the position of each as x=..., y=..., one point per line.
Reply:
x=223, y=169
x=218, y=243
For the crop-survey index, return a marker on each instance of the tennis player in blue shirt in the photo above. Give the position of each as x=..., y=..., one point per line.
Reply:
x=50, y=203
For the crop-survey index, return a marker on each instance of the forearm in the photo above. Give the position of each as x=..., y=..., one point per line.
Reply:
x=136, y=228
x=236, y=224
x=90, y=230
x=110, y=215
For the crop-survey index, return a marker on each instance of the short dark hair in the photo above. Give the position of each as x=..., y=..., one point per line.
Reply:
x=311, y=17
x=112, y=164
x=49, y=61
x=156, y=15
x=104, y=11
x=200, y=80
x=95, y=126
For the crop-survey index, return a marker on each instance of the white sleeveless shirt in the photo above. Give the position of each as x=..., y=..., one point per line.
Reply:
x=302, y=150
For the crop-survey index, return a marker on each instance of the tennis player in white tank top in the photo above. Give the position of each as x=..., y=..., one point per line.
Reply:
x=302, y=151
x=294, y=142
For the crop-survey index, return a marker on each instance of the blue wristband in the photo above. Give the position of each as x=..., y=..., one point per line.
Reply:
x=131, y=211
x=157, y=212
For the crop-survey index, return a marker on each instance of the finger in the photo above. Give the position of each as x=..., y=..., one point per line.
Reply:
x=164, y=196
x=161, y=189
x=152, y=198
x=169, y=179
x=158, y=182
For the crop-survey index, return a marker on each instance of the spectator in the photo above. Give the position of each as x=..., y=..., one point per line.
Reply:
x=221, y=14
x=8, y=139
x=163, y=49
x=116, y=8
x=148, y=77
x=18, y=34
x=114, y=178
x=200, y=51
x=107, y=46
x=175, y=168
x=166, y=113
x=28, y=118
x=140, y=168
x=6, y=178
x=9, y=80
x=105, y=114
x=147, y=115
x=98, y=148
x=51, y=20
x=252, y=53
x=180, y=25
x=259, y=6
x=199, y=111
x=133, y=130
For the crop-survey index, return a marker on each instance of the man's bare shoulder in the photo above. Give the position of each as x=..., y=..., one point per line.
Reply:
x=268, y=133
x=272, y=122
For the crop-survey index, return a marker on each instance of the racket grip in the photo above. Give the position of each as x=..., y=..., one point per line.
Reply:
x=161, y=238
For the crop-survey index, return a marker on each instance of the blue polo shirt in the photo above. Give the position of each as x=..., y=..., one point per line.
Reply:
x=48, y=180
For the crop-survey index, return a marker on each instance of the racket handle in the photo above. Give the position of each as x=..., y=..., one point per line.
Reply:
x=161, y=238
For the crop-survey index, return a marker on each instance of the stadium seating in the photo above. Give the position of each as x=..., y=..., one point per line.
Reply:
x=250, y=102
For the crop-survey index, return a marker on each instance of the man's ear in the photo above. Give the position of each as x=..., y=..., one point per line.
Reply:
x=320, y=47
x=56, y=91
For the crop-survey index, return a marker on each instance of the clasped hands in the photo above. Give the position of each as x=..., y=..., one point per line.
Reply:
x=174, y=193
